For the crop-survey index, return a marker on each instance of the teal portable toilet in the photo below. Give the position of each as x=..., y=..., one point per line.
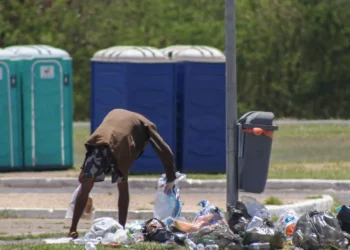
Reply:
x=11, y=154
x=46, y=78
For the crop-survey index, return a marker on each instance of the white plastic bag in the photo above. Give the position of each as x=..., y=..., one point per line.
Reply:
x=168, y=205
x=103, y=226
x=64, y=240
x=287, y=222
x=89, y=211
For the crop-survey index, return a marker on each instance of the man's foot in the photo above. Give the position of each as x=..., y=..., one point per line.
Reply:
x=73, y=235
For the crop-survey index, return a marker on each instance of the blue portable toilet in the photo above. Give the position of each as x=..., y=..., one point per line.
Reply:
x=11, y=154
x=138, y=79
x=200, y=79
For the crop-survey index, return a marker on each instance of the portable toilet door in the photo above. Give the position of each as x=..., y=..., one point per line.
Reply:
x=200, y=79
x=11, y=157
x=47, y=106
x=138, y=79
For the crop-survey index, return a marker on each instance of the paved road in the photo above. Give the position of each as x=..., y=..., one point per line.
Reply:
x=87, y=124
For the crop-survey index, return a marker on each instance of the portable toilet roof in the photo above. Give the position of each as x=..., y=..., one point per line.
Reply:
x=167, y=51
x=130, y=54
x=4, y=54
x=194, y=53
x=38, y=51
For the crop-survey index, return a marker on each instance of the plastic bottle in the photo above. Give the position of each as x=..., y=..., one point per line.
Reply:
x=139, y=237
x=90, y=246
x=211, y=247
x=259, y=246
x=200, y=247
x=190, y=244
x=287, y=222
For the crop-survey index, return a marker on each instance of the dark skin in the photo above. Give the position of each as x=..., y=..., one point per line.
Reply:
x=87, y=183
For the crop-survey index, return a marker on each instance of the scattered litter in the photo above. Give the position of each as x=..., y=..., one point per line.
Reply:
x=168, y=205
x=63, y=240
x=287, y=221
x=89, y=211
x=319, y=230
x=343, y=217
x=255, y=208
x=249, y=227
x=156, y=230
x=90, y=246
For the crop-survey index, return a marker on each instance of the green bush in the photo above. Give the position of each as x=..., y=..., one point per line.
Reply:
x=292, y=55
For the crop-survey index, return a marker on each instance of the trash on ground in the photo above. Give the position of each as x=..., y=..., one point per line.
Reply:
x=255, y=208
x=63, y=240
x=89, y=211
x=249, y=227
x=156, y=230
x=287, y=221
x=319, y=230
x=343, y=217
x=168, y=205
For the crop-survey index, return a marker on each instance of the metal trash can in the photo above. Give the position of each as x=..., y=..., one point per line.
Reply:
x=255, y=134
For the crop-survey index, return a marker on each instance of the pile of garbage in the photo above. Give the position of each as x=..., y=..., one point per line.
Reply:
x=249, y=227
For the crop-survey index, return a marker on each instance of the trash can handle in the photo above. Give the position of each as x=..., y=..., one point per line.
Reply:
x=259, y=131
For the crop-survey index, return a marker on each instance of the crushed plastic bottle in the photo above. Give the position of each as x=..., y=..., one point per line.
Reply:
x=90, y=246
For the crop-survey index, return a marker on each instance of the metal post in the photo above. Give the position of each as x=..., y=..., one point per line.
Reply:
x=231, y=106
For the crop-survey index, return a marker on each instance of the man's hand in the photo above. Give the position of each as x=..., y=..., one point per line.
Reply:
x=169, y=187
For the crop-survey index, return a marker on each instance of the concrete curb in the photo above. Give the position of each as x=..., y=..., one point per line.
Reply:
x=324, y=203
x=144, y=183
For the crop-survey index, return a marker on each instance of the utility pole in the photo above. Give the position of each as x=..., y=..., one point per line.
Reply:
x=231, y=107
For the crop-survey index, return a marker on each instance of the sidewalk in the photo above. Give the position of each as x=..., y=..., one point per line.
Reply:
x=45, y=180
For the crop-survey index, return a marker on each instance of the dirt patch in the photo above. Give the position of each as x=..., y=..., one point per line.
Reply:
x=12, y=227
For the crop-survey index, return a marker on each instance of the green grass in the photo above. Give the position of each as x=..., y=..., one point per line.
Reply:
x=5, y=214
x=32, y=236
x=273, y=201
x=143, y=246
x=306, y=151
x=312, y=197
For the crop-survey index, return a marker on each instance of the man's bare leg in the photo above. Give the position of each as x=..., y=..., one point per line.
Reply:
x=123, y=202
x=87, y=184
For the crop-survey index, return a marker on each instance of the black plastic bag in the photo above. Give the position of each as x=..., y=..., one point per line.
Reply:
x=219, y=234
x=318, y=230
x=156, y=230
x=239, y=219
x=265, y=233
x=344, y=218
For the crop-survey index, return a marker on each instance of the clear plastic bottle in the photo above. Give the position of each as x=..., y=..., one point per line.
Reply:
x=211, y=247
x=259, y=246
x=190, y=244
x=90, y=246
x=139, y=237
x=200, y=247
